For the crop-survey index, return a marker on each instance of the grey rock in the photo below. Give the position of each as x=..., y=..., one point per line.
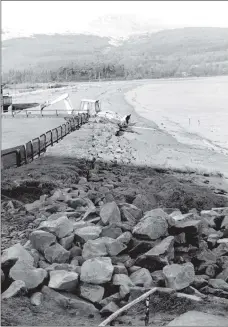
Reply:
x=223, y=275
x=120, y=269
x=93, y=293
x=111, y=231
x=36, y=256
x=16, y=253
x=17, y=288
x=67, y=241
x=176, y=218
x=97, y=270
x=69, y=300
x=112, y=298
x=32, y=277
x=125, y=237
x=75, y=251
x=114, y=247
x=199, y=281
x=41, y=240
x=56, y=253
x=153, y=225
x=142, y=277
x=60, y=266
x=143, y=203
x=222, y=262
x=122, y=279
x=225, y=222
x=109, y=309
x=94, y=248
x=179, y=277
x=195, y=318
x=63, y=280
x=158, y=278
x=60, y=227
x=87, y=233
x=36, y=299
x=218, y=283
x=163, y=252
x=110, y=213
x=135, y=212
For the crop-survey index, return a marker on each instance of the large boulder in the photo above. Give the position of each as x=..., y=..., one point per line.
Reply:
x=114, y=247
x=141, y=277
x=195, y=318
x=87, y=233
x=153, y=225
x=112, y=231
x=179, y=277
x=67, y=241
x=60, y=227
x=176, y=217
x=135, y=212
x=69, y=300
x=41, y=240
x=17, y=288
x=63, y=280
x=16, y=253
x=32, y=277
x=93, y=293
x=94, y=248
x=218, y=283
x=56, y=253
x=223, y=275
x=163, y=252
x=110, y=213
x=101, y=247
x=97, y=270
x=191, y=228
x=122, y=279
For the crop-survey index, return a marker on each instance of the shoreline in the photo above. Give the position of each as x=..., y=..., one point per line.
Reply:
x=210, y=156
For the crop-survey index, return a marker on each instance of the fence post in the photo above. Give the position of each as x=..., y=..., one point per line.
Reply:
x=32, y=151
x=51, y=139
x=57, y=135
x=61, y=132
x=25, y=153
x=45, y=139
x=41, y=112
x=56, y=112
x=18, y=158
x=39, y=146
x=26, y=113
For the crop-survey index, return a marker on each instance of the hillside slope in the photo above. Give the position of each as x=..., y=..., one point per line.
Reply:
x=177, y=52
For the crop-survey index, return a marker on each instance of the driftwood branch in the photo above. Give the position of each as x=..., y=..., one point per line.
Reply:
x=127, y=306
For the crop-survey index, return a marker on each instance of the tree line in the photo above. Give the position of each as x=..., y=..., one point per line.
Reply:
x=139, y=70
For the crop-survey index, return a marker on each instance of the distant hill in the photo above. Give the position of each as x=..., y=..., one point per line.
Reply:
x=167, y=53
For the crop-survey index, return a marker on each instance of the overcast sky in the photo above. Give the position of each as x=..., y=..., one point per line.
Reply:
x=28, y=17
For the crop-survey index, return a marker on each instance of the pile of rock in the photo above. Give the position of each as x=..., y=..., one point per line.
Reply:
x=90, y=253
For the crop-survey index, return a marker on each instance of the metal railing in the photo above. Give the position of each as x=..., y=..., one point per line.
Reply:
x=32, y=113
x=23, y=154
